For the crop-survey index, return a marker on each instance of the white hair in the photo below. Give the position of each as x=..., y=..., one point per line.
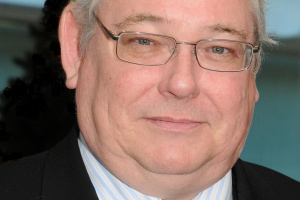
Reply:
x=84, y=15
x=83, y=12
x=261, y=37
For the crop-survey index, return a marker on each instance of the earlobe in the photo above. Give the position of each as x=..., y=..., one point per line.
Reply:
x=256, y=95
x=69, y=37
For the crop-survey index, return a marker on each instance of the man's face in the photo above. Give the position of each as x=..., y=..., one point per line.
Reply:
x=176, y=119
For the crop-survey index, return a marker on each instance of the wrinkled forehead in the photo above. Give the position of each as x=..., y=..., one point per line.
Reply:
x=233, y=15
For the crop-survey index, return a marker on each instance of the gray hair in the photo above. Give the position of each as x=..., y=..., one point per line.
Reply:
x=260, y=30
x=84, y=15
x=83, y=12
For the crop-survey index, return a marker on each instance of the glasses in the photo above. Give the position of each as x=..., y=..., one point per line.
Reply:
x=153, y=49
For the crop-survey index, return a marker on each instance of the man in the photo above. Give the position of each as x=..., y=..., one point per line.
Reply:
x=165, y=93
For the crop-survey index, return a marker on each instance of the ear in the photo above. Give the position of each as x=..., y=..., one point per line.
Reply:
x=256, y=94
x=69, y=37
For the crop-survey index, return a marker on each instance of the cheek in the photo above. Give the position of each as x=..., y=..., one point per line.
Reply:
x=121, y=89
x=130, y=87
x=231, y=94
x=233, y=98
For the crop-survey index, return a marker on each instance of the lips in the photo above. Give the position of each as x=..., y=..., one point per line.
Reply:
x=174, y=125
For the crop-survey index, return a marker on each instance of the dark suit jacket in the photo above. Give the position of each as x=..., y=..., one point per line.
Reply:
x=60, y=174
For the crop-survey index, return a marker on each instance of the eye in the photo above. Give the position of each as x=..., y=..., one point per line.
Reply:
x=144, y=41
x=219, y=50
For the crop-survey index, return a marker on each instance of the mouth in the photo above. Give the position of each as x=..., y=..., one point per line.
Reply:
x=174, y=125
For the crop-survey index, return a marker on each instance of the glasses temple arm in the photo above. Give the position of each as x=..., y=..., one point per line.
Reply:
x=256, y=49
x=105, y=29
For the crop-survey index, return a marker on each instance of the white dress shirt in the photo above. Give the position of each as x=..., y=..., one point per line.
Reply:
x=108, y=187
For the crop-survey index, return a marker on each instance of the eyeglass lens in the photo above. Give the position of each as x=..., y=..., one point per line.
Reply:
x=151, y=49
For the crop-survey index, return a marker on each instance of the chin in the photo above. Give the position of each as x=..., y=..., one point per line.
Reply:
x=174, y=164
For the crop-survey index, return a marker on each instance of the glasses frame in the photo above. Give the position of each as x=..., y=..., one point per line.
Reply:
x=254, y=48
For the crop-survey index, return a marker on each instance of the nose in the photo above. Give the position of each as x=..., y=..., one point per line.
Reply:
x=180, y=78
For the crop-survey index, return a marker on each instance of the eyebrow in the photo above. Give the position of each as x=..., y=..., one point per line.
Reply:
x=228, y=29
x=138, y=18
x=141, y=17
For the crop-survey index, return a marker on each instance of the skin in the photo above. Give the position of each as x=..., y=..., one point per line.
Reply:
x=177, y=128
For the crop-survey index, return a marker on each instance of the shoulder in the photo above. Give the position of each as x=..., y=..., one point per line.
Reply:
x=265, y=181
x=24, y=176
x=57, y=174
x=274, y=177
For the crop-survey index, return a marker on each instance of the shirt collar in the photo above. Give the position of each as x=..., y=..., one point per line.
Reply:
x=107, y=186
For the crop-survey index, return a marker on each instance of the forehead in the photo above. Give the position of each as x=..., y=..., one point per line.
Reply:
x=187, y=14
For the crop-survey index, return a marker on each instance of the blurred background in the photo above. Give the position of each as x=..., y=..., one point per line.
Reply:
x=26, y=51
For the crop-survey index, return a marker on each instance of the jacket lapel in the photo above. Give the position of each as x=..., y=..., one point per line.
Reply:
x=65, y=176
x=248, y=184
x=241, y=189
